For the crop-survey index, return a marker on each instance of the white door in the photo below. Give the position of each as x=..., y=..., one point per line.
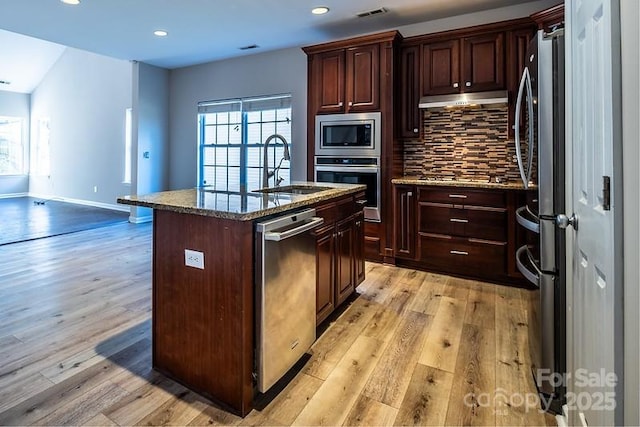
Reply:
x=594, y=298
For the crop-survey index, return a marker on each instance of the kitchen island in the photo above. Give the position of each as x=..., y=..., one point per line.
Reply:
x=204, y=318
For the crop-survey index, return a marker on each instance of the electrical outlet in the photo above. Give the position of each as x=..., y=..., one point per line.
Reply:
x=95, y=188
x=194, y=259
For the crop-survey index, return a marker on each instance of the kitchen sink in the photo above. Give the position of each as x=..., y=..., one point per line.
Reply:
x=294, y=189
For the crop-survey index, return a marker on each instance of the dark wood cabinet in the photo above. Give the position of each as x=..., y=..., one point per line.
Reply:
x=329, y=71
x=483, y=58
x=346, y=80
x=345, y=260
x=358, y=249
x=360, y=75
x=461, y=231
x=409, y=118
x=518, y=42
x=440, y=67
x=325, y=295
x=483, y=63
x=405, y=221
x=339, y=253
x=551, y=18
x=468, y=64
x=362, y=78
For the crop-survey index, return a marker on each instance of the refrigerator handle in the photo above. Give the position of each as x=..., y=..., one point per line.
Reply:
x=525, y=82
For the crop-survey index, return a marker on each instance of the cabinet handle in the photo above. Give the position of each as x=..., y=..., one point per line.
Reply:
x=457, y=196
x=350, y=103
x=361, y=202
x=459, y=220
x=456, y=84
x=468, y=84
x=459, y=253
x=340, y=104
x=415, y=130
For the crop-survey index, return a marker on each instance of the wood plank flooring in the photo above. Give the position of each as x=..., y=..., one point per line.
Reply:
x=413, y=349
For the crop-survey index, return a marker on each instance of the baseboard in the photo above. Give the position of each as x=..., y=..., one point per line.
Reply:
x=115, y=207
x=12, y=195
x=140, y=219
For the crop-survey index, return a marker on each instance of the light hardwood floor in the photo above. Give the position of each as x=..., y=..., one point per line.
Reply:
x=413, y=349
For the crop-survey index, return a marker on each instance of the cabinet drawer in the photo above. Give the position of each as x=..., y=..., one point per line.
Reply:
x=477, y=222
x=462, y=196
x=461, y=255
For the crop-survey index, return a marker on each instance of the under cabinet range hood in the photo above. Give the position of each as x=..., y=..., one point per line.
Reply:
x=462, y=99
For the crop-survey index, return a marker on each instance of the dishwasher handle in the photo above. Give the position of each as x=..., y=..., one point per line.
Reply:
x=277, y=236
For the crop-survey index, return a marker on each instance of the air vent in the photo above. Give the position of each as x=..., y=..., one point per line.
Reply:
x=5, y=82
x=380, y=11
x=251, y=46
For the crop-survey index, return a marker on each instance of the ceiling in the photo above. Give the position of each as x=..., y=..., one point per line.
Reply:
x=199, y=30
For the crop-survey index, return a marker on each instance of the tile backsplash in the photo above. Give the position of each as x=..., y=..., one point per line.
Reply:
x=465, y=143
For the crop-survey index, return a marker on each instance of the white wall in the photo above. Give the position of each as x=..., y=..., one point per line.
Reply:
x=14, y=104
x=150, y=153
x=282, y=71
x=630, y=45
x=269, y=73
x=85, y=95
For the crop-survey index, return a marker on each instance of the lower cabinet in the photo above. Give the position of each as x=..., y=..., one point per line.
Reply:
x=325, y=296
x=339, y=254
x=460, y=231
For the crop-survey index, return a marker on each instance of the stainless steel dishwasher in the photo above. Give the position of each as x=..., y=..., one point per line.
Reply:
x=285, y=294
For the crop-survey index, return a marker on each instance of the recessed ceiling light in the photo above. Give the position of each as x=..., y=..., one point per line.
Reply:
x=160, y=33
x=321, y=10
x=70, y=1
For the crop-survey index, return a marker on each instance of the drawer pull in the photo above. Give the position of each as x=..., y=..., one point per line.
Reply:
x=459, y=220
x=361, y=202
x=458, y=253
x=457, y=196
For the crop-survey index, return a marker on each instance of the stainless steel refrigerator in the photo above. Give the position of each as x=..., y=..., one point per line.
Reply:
x=540, y=155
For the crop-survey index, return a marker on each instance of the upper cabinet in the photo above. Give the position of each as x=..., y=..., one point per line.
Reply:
x=440, y=67
x=476, y=59
x=466, y=64
x=483, y=59
x=550, y=19
x=345, y=77
x=346, y=80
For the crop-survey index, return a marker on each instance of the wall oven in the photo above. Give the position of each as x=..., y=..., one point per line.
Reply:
x=353, y=134
x=353, y=170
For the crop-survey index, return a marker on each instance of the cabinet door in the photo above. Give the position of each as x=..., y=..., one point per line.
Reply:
x=405, y=221
x=328, y=81
x=344, y=261
x=358, y=247
x=440, y=68
x=483, y=63
x=363, y=78
x=517, y=44
x=409, y=117
x=325, y=284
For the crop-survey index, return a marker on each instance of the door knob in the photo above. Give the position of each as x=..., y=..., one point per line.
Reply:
x=564, y=221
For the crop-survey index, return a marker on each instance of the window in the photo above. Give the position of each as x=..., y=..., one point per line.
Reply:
x=41, y=157
x=231, y=137
x=11, y=146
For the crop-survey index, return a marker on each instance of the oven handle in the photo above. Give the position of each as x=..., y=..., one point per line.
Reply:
x=358, y=169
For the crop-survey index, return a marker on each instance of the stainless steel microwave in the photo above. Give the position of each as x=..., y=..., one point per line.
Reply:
x=353, y=134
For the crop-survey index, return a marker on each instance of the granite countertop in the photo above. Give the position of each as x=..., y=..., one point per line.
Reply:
x=241, y=206
x=462, y=183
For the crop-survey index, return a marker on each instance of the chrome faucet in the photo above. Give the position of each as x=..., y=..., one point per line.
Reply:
x=266, y=173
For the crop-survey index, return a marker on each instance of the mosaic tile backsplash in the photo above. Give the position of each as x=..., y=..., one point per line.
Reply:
x=463, y=143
